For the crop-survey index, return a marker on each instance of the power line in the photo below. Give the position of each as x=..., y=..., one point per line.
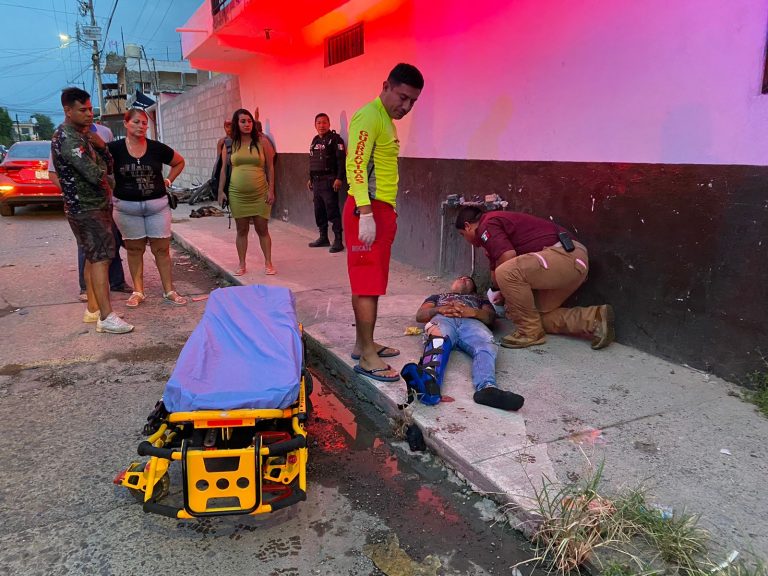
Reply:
x=151, y=15
x=106, y=34
x=25, y=51
x=32, y=61
x=31, y=110
x=37, y=9
x=136, y=22
x=161, y=23
x=44, y=73
x=58, y=28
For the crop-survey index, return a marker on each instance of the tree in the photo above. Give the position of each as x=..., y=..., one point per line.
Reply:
x=45, y=126
x=6, y=128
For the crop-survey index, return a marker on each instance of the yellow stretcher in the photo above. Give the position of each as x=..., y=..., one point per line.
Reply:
x=233, y=461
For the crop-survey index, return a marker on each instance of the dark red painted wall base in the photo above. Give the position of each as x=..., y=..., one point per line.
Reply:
x=679, y=250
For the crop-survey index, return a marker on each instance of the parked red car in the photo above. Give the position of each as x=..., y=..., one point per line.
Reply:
x=24, y=177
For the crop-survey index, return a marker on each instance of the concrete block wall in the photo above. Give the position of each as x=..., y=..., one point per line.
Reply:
x=192, y=124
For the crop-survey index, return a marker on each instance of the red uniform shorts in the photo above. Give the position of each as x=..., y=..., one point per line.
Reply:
x=368, y=267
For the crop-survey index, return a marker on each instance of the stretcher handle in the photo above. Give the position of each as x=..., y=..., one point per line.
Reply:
x=281, y=448
x=146, y=449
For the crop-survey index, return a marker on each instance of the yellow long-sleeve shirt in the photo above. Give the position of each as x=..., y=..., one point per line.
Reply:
x=372, y=155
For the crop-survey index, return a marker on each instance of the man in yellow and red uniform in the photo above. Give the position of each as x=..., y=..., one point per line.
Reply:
x=536, y=266
x=369, y=218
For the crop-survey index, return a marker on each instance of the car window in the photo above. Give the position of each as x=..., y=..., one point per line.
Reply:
x=30, y=151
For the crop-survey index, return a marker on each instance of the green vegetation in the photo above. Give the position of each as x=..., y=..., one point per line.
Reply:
x=6, y=128
x=623, y=535
x=758, y=393
x=45, y=126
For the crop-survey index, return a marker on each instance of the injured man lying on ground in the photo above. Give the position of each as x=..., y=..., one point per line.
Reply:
x=458, y=319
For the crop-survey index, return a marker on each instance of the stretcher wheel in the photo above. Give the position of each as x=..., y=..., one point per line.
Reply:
x=162, y=487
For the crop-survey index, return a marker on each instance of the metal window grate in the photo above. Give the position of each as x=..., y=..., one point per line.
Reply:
x=344, y=45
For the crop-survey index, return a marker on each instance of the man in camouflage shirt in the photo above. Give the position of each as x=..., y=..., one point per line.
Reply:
x=83, y=163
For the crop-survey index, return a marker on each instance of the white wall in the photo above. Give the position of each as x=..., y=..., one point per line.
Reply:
x=193, y=122
x=654, y=81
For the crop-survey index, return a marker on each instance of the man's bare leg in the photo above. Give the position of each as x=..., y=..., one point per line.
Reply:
x=366, y=310
x=371, y=316
x=97, y=285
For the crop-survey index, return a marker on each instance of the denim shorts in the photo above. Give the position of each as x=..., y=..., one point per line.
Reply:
x=138, y=220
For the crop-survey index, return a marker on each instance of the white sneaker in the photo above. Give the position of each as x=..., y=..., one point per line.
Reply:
x=113, y=324
x=90, y=317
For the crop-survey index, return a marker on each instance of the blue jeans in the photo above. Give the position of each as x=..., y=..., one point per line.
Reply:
x=116, y=273
x=476, y=339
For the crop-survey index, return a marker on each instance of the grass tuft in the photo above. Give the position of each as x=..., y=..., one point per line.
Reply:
x=758, y=393
x=622, y=535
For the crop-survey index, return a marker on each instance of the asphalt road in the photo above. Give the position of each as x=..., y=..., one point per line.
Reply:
x=72, y=405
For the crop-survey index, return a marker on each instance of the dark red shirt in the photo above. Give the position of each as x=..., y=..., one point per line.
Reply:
x=498, y=232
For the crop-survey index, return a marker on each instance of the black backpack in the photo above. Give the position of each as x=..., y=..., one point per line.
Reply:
x=215, y=177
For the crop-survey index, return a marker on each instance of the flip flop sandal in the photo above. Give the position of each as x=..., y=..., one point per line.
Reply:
x=135, y=299
x=270, y=271
x=173, y=297
x=375, y=374
x=383, y=352
x=239, y=272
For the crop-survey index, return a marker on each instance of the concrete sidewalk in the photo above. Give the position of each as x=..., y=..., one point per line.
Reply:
x=683, y=434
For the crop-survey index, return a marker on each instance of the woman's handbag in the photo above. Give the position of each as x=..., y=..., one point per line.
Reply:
x=173, y=200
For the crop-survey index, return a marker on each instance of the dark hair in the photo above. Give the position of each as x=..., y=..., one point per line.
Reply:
x=406, y=74
x=322, y=115
x=237, y=136
x=469, y=214
x=131, y=112
x=73, y=94
x=474, y=284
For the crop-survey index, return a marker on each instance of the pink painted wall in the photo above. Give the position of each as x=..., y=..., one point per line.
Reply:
x=595, y=80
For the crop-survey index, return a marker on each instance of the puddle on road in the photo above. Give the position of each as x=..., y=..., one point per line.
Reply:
x=428, y=514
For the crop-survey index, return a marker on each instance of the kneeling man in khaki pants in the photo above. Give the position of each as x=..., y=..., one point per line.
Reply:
x=536, y=266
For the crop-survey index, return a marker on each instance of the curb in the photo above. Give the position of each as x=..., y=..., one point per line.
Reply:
x=513, y=507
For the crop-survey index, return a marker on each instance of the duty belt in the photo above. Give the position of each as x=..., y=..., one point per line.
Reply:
x=320, y=174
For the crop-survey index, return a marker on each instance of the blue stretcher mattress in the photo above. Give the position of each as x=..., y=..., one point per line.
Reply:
x=246, y=352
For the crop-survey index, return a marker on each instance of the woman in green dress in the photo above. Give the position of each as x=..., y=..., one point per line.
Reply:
x=251, y=186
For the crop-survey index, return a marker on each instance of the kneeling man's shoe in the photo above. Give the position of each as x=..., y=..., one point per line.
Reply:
x=518, y=340
x=604, y=332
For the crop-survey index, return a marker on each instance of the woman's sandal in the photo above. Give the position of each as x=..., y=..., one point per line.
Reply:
x=270, y=270
x=173, y=297
x=239, y=272
x=135, y=299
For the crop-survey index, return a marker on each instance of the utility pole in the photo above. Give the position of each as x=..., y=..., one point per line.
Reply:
x=96, y=62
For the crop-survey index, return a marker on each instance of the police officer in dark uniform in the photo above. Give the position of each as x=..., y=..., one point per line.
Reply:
x=327, y=174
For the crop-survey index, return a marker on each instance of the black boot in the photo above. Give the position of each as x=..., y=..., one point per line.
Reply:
x=321, y=241
x=337, y=245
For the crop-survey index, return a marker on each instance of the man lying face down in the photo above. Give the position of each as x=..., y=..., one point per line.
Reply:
x=458, y=319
